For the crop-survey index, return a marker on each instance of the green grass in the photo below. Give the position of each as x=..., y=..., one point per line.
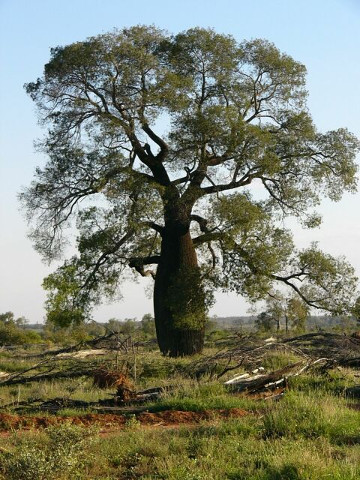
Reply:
x=333, y=381
x=313, y=415
x=58, y=453
x=235, y=449
x=10, y=365
x=193, y=396
x=73, y=389
x=276, y=360
x=312, y=433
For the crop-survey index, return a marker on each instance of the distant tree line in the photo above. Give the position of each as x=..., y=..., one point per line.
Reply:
x=275, y=320
x=18, y=331
x=279, y=315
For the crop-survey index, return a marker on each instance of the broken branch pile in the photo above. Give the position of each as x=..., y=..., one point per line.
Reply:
x=250, y=352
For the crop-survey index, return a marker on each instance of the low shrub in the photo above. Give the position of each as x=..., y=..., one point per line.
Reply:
x=59, y=455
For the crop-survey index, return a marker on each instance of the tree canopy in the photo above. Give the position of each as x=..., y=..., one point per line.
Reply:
x=159, y=145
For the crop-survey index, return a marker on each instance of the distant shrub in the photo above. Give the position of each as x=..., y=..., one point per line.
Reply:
x=12, y=331
x=10, y=334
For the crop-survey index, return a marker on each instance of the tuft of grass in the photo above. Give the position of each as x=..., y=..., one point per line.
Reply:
x=196, y=397
x=276, y=360
x=332, y=382
x=312, y=416
x=73, y=412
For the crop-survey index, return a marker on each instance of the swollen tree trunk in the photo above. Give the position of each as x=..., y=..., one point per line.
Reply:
x=179, y=301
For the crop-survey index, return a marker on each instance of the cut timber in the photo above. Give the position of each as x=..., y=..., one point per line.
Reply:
x=237, y=379
x=256, y=383
x=142, y=396
x=83, y=353
x=270, y=340
x=19, y=380
x=260, y=382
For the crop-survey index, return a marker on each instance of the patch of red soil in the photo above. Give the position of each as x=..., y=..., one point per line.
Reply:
x=9, y=422
x=174, y=417
x=165, y=418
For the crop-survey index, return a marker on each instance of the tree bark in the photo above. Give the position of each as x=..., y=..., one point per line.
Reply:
x=179, y=300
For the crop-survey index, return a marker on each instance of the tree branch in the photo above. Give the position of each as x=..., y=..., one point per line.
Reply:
x=154, y=226
x=207, y=237
x=201, y=221
x=164, y=148
x=103, y=258
x=244, y=180
x=139, y=262
x=286, y=281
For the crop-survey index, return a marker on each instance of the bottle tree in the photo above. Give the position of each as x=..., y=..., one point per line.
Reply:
x=178, y=157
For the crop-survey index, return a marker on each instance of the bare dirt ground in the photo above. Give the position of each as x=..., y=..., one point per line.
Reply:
x=174, y=418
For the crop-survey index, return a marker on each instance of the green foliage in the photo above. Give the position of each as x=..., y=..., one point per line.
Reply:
x=8, y=318
x=62, y=285
x=75, y=333
x=291, y=312
x=194, y=397
x=215, y=335
x=12, y=331
x=265, y=322
x=331, y=279
x=60, y=456
x=186, y=299
x=226, y=450
x=148, y=325
x=334, y=382
x=10, y=334
x=270, y=319
x=356, y=309
x=236, y=116
x=276, y=360
x=297, y=312
x=126, y=327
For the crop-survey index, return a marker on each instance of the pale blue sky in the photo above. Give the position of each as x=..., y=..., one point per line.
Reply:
x=322, y=34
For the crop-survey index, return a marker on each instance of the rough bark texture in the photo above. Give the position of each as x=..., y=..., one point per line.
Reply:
x=178, y=297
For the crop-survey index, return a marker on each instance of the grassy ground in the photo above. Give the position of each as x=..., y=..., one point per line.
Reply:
x=312, y=433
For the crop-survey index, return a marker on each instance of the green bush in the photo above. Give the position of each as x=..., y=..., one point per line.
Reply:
x=61, y=455
x=10, y=334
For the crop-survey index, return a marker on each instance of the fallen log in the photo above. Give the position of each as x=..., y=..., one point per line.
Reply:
x=47, y=376
x=112, y=341
x=353, y=392
x=350, y=362
x=271, y=381
x=256, y=383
